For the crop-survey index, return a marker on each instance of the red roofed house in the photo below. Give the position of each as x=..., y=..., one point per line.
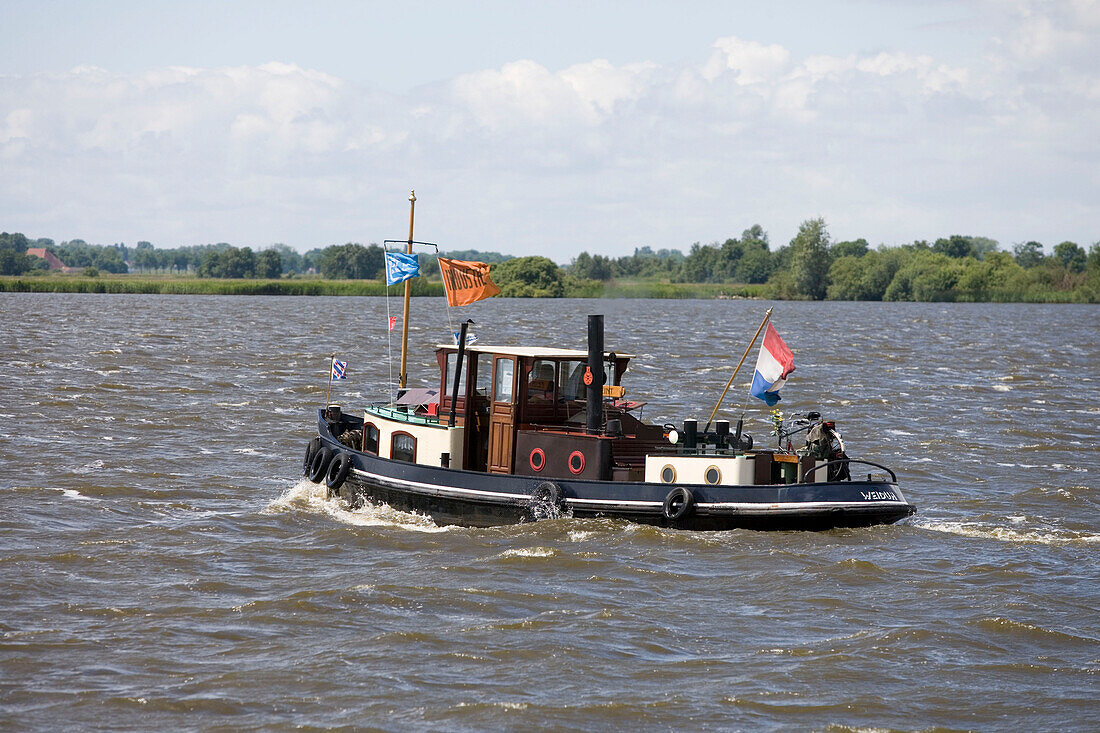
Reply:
x=50, y=257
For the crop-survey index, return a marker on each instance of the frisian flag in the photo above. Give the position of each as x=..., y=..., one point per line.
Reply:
x=401, y=266
x=772, y=367
x=339, y=369
x=466, y=282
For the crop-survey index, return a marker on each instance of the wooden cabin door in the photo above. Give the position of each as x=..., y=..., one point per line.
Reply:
x=502, y=415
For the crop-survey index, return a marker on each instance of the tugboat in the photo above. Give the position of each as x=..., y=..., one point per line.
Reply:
x=517, y=434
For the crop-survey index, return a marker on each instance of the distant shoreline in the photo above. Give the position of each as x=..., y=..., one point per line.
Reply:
x=176, y=285
x=138, y=285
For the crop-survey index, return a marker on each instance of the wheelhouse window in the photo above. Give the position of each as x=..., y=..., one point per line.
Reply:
x=370, y=438
x=571, y=386
x=484, y=377
x=449, y=381
x=540, y=382
x=502, y=389
x=403, y=448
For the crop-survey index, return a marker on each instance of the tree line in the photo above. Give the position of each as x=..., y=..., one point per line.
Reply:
x=811, y=266
x=351, y=261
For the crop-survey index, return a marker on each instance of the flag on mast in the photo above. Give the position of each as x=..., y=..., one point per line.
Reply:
x=401, y=266
x=339, y=369
x=772, y=367
x=466, y=282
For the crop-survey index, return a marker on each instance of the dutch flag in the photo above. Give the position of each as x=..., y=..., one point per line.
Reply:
x=339, y=369
x=772, y=367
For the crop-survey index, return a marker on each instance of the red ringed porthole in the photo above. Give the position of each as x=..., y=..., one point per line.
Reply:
x=538, y=459
x=576, y=462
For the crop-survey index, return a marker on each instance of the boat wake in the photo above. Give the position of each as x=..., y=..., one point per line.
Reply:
x=1017, y=535
x=310, y=497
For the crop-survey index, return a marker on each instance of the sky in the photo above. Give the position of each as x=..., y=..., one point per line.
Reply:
x=549, y=128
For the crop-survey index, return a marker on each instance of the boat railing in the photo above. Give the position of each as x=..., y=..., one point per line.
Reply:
x=400, y=415
x=893, y=476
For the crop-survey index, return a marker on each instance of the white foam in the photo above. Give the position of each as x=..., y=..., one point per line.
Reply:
x=310, y=497
x=90, y=467
x=1008, y=534
x=74, y=494
x=528, y=552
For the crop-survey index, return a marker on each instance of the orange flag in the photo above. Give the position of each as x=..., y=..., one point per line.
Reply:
x=466, y=282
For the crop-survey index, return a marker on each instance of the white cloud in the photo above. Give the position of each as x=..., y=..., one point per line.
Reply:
x=594, y=156
x=749, y=61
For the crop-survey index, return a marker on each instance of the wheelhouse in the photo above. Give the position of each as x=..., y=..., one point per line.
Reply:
x=524, y=410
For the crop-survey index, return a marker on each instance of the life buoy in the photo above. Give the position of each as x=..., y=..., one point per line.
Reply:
x=338, y=470
x=679, y=503
x=319, y=466
x=313, y=447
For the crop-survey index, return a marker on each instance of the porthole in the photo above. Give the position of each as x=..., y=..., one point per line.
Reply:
x=668, y=474
x=712, y=475
x=576, y=462
x=538, y=459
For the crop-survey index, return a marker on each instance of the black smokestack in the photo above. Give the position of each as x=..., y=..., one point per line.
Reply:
x=595, y=368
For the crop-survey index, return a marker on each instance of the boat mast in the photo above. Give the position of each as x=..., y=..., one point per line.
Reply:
x=748, y=348
x=408, y=291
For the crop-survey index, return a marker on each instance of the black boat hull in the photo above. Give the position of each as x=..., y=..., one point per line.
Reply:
x=471, y=498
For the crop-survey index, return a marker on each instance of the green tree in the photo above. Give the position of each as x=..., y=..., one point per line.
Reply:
x=352, y=262
x=529, y=277
x=982, y=280
x=703, y=264
x=854, y=248
x=982, y=246
x=589, y=267
x=845, y=275
x=810, y=259
x=13, y=262
x=14, y=242
x=954, y=246
x=1071, y=256
x=926, y=276
x=291, y=258
x=863, y=278
x=755, y=266
x=228, y=262
x=269, y=264
x=1028, y=254
x=1092, y=262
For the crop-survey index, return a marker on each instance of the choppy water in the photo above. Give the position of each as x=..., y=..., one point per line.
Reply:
x=164, y=567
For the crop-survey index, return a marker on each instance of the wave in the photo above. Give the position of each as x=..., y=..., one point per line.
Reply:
x=1000, y=624
x=527, y=552
x=310, y=497
x=1048, y=536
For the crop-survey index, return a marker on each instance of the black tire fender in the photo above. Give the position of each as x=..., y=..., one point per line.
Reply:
x=319, y=466
x=313, y=447
x=547, y=493
x=545, y=502
x=679, y=503
x=338, y=470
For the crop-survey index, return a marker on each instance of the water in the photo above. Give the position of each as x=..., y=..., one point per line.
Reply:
x=164, y=567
